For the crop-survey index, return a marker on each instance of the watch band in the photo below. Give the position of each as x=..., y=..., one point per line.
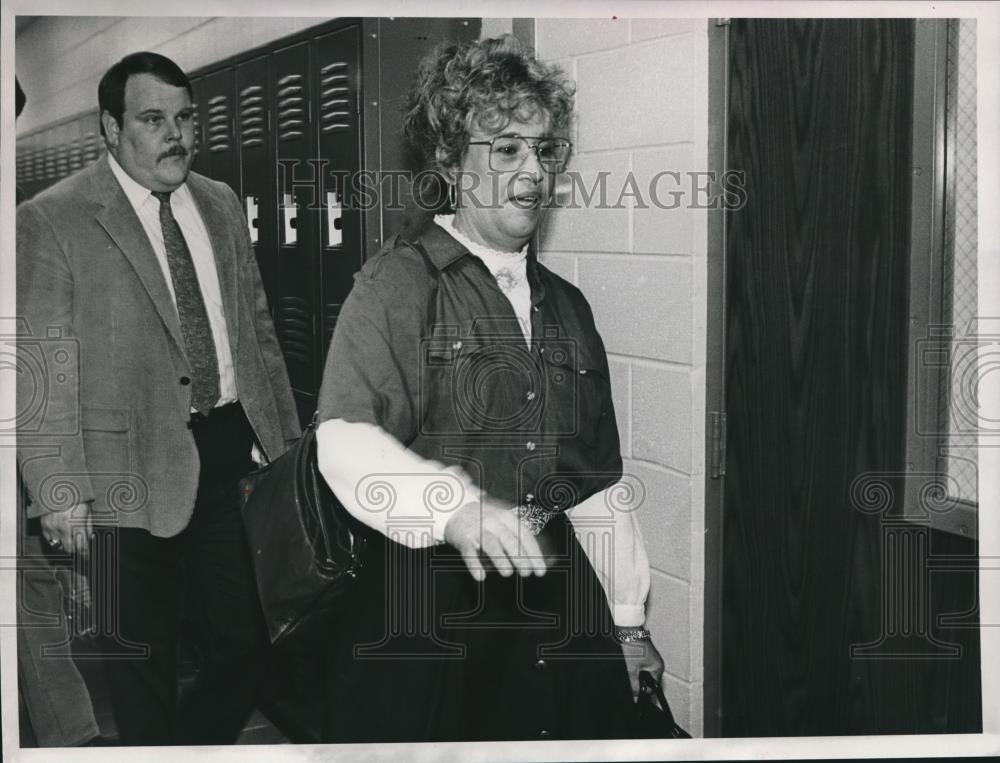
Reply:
x=630, y=635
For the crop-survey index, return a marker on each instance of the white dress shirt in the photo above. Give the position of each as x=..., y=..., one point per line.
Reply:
x=185, y=212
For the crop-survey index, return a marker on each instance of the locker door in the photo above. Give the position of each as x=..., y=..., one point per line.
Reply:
x=336, y=86
x=257, y=173
x=200, y=163
x=296, y=284
x=217, y=117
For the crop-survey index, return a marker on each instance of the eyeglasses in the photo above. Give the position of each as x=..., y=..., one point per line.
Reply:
x=510, y=152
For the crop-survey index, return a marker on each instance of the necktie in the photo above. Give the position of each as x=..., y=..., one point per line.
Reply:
x=195, y=328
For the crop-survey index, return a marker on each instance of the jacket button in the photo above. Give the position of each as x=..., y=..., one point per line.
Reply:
x=185, y=380
x=540, y=664
x=543, y=733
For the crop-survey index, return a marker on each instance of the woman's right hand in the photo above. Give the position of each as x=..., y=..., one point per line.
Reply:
x=491, y=529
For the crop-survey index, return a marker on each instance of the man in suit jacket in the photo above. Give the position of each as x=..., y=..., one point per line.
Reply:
x=152, y=369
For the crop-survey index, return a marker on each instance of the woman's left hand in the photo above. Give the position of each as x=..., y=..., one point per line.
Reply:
x=641, y=655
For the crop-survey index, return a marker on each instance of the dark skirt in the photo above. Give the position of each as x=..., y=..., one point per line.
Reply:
x=425, y=653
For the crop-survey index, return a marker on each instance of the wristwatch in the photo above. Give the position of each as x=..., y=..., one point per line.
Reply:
x=632, y=634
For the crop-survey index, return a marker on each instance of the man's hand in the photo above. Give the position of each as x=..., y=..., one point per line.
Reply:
x=71, y=528
x=490, y=529
x=641, y=655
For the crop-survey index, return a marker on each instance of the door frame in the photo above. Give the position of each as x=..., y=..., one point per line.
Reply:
x=715, y=359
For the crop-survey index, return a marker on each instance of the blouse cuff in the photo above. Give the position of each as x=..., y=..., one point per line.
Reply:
x=629, y=615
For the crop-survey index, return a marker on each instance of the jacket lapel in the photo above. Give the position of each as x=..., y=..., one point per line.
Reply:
x=123, y=225
x=221, y=234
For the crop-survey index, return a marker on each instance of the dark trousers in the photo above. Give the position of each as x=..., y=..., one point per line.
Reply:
x=206, y=569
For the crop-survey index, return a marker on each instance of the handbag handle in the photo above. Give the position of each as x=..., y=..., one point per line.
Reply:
x=651, y=686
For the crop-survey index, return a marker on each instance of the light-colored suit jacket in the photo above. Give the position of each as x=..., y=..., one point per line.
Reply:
x=103, y=409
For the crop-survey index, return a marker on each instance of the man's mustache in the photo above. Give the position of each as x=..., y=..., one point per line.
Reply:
x=175, y=151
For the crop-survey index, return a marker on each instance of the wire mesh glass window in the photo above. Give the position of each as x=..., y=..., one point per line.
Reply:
x=958, y=414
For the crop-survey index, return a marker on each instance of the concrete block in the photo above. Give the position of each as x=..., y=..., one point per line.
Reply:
x=663, y=220
x=661, y=416
x=265, y=29
x=301, y=23
x=150, y=32
x=665, y=518
x=668, y=619
x=197, y=47
x=59, y=35
x=680, y=696
x=696, y=722
x=563, y=265
x=234, y=35
x=588, y=218
x=621, y=394
x=495, y=28
x=642, y=305
x=555, y=38
x=641, y=95
x=646, y=29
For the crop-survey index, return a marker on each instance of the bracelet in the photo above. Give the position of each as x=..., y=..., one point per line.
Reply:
x=632, y=634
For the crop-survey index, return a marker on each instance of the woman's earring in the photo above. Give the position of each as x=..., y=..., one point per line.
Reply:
x=453, y=196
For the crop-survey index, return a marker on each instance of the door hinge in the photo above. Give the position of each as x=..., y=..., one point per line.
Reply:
x=717, y=448
x=722, y=22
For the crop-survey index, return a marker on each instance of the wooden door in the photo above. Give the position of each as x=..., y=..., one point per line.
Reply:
x=819, y=117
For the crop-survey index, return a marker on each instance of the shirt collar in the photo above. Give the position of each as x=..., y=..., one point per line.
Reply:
x=443, y=249
x=483, y=252
x=138, y=194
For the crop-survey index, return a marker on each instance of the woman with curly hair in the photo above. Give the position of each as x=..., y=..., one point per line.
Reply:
x=467, y=422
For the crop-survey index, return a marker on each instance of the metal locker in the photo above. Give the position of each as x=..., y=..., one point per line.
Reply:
x=257, y=170
x=295, y=308
x=200, y=163
x=216, y=113
x=336, y=84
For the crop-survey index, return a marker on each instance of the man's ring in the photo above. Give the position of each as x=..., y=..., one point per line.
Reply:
x=53, y=542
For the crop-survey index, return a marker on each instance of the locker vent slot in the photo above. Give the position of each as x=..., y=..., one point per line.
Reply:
x=62, y=161
x=195, y=118
x=75, y=155
x=253, y=116
x=91, y=148
x=294, y=329
x=219, y=124
x=335, y=97
x=292, y=107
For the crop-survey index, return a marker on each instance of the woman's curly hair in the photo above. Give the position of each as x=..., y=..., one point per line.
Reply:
x=485, y=84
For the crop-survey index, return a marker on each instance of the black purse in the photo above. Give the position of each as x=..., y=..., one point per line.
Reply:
x=653, y=719
x=306, y=547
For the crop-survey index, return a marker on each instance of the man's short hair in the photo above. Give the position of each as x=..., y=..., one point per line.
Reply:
x=111, y=90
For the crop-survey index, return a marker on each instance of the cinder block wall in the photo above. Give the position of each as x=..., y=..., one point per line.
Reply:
x=642, y=108
x=60, y=59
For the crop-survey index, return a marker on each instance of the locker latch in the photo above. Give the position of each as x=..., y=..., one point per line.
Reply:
x=334, y=221
x=250, y=204
x=289, y=219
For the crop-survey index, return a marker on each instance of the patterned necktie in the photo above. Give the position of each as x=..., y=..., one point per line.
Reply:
x=195, y=328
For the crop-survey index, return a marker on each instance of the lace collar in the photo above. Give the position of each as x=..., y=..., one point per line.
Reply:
x=487, y=255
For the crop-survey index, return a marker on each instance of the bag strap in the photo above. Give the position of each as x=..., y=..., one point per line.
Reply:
x=435, y=277
x=650, y=684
